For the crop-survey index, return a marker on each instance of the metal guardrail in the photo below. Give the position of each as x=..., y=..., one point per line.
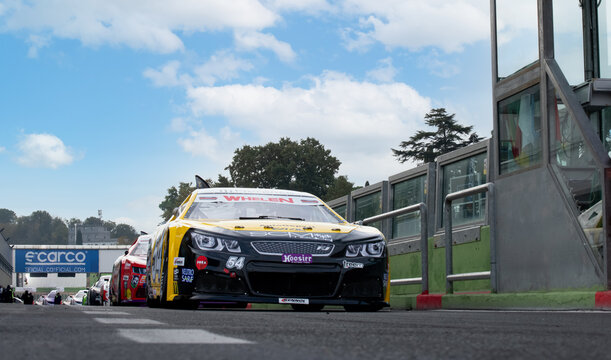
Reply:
x=450, y=277
x=424, y=279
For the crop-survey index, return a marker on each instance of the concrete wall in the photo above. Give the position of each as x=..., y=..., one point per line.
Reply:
x=540, y=244
x=53, y=280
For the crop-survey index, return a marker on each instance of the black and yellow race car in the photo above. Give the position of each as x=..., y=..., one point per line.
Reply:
x=240, y=246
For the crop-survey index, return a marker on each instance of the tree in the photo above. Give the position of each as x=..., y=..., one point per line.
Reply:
x=303, y=166
x=7, y=216
x=124, y=230
x=427, y=145
x=340, y=187
x=223, y=181
x=39, y=228
x=174, y=198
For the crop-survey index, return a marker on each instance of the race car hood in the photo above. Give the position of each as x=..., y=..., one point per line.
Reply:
x=289, y=228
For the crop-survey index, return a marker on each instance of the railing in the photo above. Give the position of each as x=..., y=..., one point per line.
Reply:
x=424, y=279
x=450, y=277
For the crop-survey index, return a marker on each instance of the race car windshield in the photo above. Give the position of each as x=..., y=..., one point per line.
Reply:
x=234, y=210
x=141, y=249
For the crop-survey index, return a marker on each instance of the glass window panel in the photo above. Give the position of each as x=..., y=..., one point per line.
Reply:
x=604, y=38
x=571, y=157
x=407, y=193
x=341, y=210
x=461, y=175
x=606, y=129
x=568, y=40
x=520, y=131
x=367, y=206
x=517, y=39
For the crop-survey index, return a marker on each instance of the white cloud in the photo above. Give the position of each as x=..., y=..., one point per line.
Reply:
x=415, y=24
x=217, y=148
x=2, y=149
x=140, y=24
x=221, y=66
x=44, y=150
x=384, y=73
x=307, y=6
x=438, y=67
x=255, y=40
x=167, y=75
x=358, y=121
x=179, y=124
x=36, y=43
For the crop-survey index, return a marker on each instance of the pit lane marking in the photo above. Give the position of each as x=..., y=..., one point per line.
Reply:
x=127, y=321
x=178, y=336
x=106, y=313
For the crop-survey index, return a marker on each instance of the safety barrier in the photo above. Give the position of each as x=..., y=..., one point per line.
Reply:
x=450, y=277
x=424, y=279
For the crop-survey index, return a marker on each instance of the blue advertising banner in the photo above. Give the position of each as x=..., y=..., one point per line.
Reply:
x=56, y=261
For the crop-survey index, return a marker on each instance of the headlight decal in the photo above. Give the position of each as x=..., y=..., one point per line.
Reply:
x=373, y=249
x=213, y=243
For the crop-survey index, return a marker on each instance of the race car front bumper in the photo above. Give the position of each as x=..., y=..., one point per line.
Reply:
x=214, y=276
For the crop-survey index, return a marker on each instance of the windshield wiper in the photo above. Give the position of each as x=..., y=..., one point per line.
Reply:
x=270, y=217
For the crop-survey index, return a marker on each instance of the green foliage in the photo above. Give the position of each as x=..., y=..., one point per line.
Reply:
x=40, y=228
x=340, y=187
x=303, y=166
x=222, y=181
x=427, y=145
x=174, y=198
x=124, y=230
x=7, y=216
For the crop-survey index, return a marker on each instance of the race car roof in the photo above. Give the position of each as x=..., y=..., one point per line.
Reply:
x=277, y=192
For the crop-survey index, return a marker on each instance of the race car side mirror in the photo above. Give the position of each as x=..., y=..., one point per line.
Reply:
x=126, y=252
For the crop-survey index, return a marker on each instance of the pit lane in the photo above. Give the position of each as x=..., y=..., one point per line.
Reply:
x=141, y=332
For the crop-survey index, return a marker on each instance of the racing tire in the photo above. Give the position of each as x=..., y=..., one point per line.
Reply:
x=363, y=308
x=307, y=308
x=189, y=304
x=152, y=303
x=163, y=301
x=118, y=296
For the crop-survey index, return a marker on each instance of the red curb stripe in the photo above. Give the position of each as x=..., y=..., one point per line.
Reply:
x=428, y=302
x=602, y=300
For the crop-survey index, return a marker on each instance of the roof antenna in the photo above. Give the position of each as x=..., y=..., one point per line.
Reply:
x=201, y=183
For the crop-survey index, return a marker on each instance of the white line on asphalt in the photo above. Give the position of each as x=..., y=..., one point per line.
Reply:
x=178, y=336
x=127, y=321
x=106, y=313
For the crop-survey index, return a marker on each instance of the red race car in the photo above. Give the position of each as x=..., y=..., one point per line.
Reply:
x=128, y=281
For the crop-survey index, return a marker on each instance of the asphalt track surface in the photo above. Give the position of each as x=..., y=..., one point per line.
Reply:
x=64, y=332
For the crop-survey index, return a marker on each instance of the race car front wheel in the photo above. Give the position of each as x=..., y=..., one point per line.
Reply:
x=163, y=296
x=118, y=296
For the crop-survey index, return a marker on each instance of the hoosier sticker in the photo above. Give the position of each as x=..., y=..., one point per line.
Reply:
x=293, y=301
x=297, y=258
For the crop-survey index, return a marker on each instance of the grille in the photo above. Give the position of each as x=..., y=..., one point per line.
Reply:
x=294, y=284
x=292, y=247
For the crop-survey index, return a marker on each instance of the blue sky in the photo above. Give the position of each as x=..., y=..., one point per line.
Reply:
x=106, y=104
